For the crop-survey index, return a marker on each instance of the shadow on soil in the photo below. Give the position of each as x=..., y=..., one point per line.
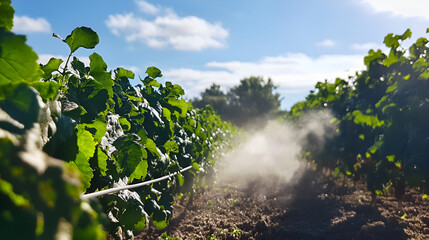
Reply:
x=317, y=211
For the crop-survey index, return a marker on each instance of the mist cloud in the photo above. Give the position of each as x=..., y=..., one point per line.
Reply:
x=272, y=153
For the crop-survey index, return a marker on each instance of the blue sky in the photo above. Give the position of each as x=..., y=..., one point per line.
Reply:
x=196, y=43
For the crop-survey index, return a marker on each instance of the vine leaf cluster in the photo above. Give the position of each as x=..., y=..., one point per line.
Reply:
x=381, y=119
x=68, y=129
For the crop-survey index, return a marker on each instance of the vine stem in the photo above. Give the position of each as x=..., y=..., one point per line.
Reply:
x=67, y=62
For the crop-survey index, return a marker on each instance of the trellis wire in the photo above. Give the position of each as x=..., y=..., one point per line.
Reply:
x=120, y=188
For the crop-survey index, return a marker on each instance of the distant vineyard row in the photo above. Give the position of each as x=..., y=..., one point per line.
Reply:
x=68, y=129
x=382, y=119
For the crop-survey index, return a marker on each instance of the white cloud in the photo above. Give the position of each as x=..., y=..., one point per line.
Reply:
x=188, y=33
x=147, y=7
x=26, y=24
x=326, y=43
x=367, y=46
x=294, y=73
x=134, y=69
x=409, y=8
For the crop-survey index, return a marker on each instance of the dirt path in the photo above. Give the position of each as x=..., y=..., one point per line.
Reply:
x=314, y=208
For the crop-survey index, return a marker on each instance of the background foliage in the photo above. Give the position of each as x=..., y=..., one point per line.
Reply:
x=381, y=118
x=252, y=101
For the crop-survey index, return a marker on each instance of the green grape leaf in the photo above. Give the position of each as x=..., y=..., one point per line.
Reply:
x=134, y=155
x=196, y=166
x=86, y=145
x=181, y=179
x=181, y=104
x=373, y=57
x=368, y=120
x=140, y=171
x=102, y=161
x=153, y=72
x=97, y=128
x=391, y=41
x=17, y=60
x=52, y=66
x=421, y=42
x=391, y=158
x=97, y=64
x=98, y=71
x=139, y=226
x=159, y=216
x=148, y=143
x=151, y=146
x=420, y=63
x=129, y=154
x=85, y=142
x=149, y=82
x=79, y=66
x=407, y=34
x=133, y=212
x=82, y=37
x=424, y=75
x=126, y=126
x=166, y=113
x=391, y=59
x=81, y=163
x=6, y=15
x=171, y=146
x=172, y=90
x=163, y=222
x=47, y=90
x=121, y=72
x=21, y=103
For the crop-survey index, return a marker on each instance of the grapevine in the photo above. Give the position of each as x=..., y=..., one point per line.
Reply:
x=67, y=129
x=381, y=119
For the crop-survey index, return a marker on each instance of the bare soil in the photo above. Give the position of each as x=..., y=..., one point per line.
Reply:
x=315, y=207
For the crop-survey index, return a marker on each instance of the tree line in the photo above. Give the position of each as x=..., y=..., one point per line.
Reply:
x=253, y=100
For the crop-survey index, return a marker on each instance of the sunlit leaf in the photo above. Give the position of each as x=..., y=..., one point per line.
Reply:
x=50, y=67
x=98, y=70
x=47, y=90
x=102, y=161
x=17, y=60
x=121, y=72
x=140, y=171
x=153, y=72
x=390, y=158
x=171, y=146
x=126, y=126
x=6, y=14
x=82, y=37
